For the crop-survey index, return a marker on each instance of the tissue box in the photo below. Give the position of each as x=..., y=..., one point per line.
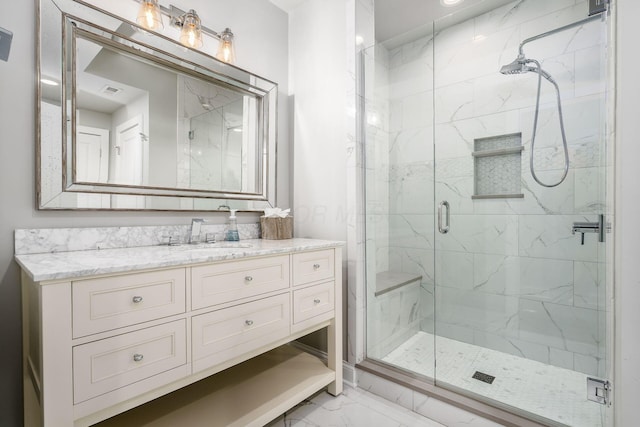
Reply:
x=276, y=228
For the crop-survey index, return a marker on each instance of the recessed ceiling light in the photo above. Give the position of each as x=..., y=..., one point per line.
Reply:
x=448, y=3
x=48, y=82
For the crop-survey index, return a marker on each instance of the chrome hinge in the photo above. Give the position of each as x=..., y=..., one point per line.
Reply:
x=599, y=391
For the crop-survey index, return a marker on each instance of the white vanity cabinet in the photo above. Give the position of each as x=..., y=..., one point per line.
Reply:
x=209, y=333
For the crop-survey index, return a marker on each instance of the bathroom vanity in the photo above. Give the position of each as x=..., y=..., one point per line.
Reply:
x=191, y=335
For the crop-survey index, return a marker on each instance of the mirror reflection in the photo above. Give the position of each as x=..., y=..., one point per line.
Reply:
x=139, y=123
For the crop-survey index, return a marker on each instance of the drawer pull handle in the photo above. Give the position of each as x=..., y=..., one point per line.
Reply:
x=316, y=266
x=248, y=278
x=248, y=322
x=137, y=300
x=316, y=301
x=137, y=357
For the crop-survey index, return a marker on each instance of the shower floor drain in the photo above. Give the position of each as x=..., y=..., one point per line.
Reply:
x=485, y=378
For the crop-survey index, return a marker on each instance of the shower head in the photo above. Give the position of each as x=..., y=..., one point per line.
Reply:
x=516, y=67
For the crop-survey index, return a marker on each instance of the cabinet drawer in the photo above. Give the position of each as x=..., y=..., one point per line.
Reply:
x=113, y=302
x=313, y=266
x=230, y=281
x=230, y=332
x=313, y=301
x=106, y=365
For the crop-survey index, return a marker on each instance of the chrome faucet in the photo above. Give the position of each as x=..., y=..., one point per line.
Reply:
x=196, y=224
x=599, y=227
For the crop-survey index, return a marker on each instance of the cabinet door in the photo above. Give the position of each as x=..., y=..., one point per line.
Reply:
x=114, y=302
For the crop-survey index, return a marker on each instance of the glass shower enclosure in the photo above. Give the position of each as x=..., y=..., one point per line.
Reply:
x=480, y=279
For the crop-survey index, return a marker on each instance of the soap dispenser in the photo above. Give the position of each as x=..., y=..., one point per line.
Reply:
x=232, y=232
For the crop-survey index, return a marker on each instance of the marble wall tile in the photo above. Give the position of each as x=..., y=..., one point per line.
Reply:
x=456, y=138
x=475, y=57
x=537, y=199
x=414, y=111
x=585, y=364
x=537, y=279
x=411, y=77
x=455, y=269
x=582, y=121
x=457, y=191
x=455, y=167
x=414, y=260
x=477, y=310
x=411, y=188
x=514, y=346
x=491, y=234
x=561, y=358
x=393, y=318
x=549, y=236
x=411, y=231
x=454, y=102
x=454, y=332
x=572, y=329
x=418, y=51
x=590, y=195
x=409, y=146
x=572, y=39
x=517, y=13
x=588, y=289
x=590, y=71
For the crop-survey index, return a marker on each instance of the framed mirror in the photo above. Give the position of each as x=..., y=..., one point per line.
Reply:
x=133, y=120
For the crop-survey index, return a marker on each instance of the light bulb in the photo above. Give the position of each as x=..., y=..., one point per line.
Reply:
x=149, y=15
x=226, y=48
x=191, y=34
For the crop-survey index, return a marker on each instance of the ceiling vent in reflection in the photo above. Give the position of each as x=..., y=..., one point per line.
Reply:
x=110, y=90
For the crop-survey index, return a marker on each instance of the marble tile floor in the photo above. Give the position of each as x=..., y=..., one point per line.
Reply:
x=555, y=393
x=353, y=408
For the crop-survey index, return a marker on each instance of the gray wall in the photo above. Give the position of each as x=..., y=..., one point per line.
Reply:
x=263, y=50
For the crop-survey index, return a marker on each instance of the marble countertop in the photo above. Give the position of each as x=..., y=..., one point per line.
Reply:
x=74, y=264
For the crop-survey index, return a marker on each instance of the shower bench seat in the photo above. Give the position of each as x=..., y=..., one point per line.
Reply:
x=388, y=281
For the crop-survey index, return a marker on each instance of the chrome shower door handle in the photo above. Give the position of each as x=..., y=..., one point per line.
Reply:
x=443, y=229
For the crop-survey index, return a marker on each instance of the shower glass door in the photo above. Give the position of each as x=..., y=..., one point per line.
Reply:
x=519, y=297
x=475, y=278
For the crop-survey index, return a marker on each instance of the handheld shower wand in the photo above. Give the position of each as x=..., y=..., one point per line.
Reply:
x=519, y=66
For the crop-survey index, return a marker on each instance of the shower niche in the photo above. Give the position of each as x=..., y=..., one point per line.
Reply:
x=497, y=167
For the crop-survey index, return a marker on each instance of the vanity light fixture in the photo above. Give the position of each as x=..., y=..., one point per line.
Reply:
x=191, y=29
x=149, y=15
x=226, y=49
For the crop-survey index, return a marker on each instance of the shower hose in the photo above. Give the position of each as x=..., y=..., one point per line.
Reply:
x=541, y=73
